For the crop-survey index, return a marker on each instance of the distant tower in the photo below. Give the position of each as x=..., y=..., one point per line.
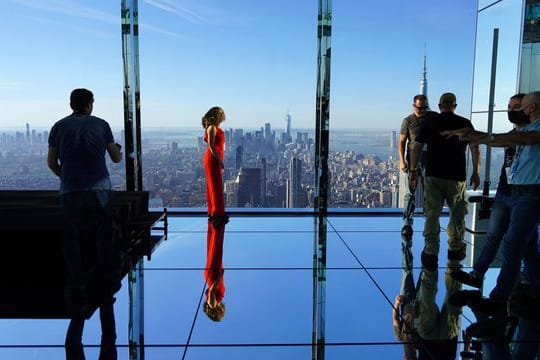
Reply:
x=423, y=81
x=27, y=133
x=393, y=140
x=288, y=120
x=267, y=133
x=419, y=197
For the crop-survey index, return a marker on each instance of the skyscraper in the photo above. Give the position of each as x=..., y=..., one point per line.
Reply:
x=423, y=81
x=296, y=196
x=249, y=187
x=27, y=133
x=288, y=120
x=238, y=156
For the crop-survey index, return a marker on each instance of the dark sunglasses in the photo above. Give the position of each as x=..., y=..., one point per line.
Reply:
x=421, y=107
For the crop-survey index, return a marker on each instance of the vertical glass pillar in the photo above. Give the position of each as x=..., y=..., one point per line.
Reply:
x=132, y=149
x=529, y=74
x=322, y=130
x=132, y=109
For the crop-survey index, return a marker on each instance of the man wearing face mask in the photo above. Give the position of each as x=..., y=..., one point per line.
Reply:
x=520, y=242
x=500, y=212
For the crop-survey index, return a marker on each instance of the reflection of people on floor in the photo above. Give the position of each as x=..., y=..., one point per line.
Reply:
x=214, y=307
x=426, y=331
x=496, y=331
x=213, y=164
x=77, y=147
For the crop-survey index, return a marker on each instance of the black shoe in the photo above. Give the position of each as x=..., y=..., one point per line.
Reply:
x=458, y=255
x=467, y=278
x=108, y=352
x=430, y=262
x=407, y=230
x=523, y=304
x=75, y=352
x=465, y=298
x=489, y=306
x=499, y=328
x=220, y=220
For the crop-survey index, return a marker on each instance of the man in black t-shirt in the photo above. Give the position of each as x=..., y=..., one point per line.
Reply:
x=445, y=180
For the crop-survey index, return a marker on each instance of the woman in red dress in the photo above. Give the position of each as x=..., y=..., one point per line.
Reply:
x=214, y=307
x=213, y=164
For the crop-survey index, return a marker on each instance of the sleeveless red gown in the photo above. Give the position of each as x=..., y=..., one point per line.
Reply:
x=213, y=271
x=214, y=179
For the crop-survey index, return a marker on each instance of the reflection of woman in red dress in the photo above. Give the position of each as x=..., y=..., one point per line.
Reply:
x=213, y=164
x=214, y=307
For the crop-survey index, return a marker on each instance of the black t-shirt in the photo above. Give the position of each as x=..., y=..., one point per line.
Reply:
x=445, y=158
x=503, y=181
x=411, y=126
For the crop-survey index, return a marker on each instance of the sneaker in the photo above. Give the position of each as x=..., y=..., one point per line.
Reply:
x=465, y=298
x=467, y=278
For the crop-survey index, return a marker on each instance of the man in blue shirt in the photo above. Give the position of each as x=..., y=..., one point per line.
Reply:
x=524, y=180
x=500, y=212
x=77, y=147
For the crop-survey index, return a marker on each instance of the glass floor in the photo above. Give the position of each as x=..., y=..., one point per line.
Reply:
x=268, y=279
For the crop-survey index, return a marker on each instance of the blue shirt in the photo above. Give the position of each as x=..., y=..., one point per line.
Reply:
x=526, y=167
x=81, y=142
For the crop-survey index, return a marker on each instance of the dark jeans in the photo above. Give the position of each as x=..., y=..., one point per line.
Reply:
x=527, y=340
x=519, y=243
x=498, y=224
x=88, y=248
x=87, y=242
x=409, y=199
x=74, y=347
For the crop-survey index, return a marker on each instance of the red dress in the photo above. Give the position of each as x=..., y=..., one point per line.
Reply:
x=214, y=179
x=213, y=271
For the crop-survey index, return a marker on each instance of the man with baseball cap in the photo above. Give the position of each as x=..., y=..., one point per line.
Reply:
x=445, y=180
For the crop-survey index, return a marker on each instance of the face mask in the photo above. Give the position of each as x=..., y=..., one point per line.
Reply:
x=518, y=117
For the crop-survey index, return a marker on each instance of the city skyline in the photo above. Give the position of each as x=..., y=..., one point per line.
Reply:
x=197, y=54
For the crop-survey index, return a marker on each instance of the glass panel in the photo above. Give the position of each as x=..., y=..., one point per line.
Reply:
x=263, y=306
x=54, y=49
x=505, y=16
x=530, y=54
x=377, y=69
x=261, y=72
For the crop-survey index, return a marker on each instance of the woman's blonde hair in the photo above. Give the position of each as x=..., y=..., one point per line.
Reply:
x=216, y=313
x=214, y=116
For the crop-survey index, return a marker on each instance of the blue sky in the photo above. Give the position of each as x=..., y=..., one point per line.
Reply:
x=254, y=58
